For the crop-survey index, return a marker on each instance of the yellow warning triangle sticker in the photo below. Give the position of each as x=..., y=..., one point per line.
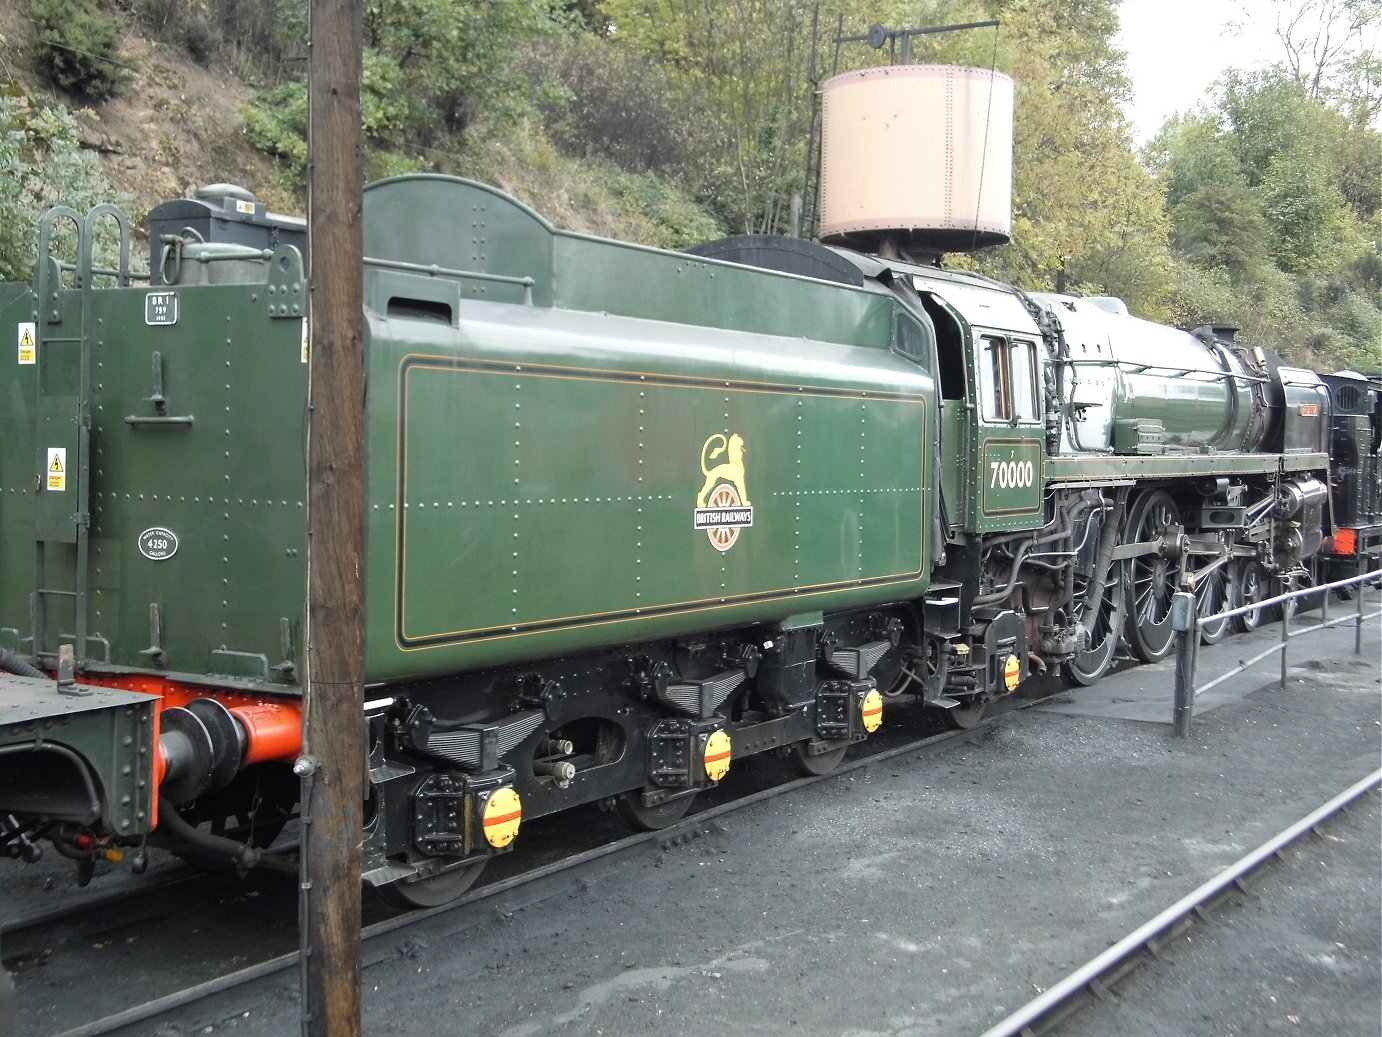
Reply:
x=26, y=339
x=56, y=466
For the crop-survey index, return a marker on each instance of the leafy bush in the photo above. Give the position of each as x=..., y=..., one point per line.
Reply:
x=79, y=47
x=611, y=102
x=41, y=165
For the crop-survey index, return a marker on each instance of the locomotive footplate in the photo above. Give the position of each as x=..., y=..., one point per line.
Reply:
x=77, y=752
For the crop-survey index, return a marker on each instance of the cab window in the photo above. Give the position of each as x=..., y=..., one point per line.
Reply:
x=1008, y=379
x=912, y=340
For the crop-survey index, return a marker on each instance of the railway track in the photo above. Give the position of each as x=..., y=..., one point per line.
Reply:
x=512, y=882
x=520, y=880
x=1093, y=981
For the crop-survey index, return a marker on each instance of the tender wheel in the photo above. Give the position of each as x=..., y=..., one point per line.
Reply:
x=254, y=808
x=434, y=890
x=1211, y=598
x=964, y=716
x=1249, y=585
x=1151, y=579
x=642, y=818
x=812, y=766
x=1090, y=666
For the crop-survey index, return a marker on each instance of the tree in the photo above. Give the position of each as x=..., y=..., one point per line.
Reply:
x=1222, y=225
x=740, y=75
x=434, y=71
x=1320, y=38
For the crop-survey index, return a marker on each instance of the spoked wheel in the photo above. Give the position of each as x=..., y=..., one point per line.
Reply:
x=1249, y=585
x=1212, y=597
x=434, y=890
x=964, y=716
x=641, y=818
x=1151, y=579
x=811, y=766
x=1297, y=605
x=1089, y=667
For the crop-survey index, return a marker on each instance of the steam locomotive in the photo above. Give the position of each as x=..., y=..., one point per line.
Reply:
x=632, y=515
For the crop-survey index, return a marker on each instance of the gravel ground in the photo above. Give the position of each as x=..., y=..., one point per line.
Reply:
x=935, y=894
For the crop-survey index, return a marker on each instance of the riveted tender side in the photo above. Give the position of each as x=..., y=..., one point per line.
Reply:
x=577, y=444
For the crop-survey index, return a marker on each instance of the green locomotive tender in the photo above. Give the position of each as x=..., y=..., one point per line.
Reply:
x=631, y=514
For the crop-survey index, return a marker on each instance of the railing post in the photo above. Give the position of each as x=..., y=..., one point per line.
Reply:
x=8, y=1016
x=1285, y=634
x=1358, y=619
x=1183, y=622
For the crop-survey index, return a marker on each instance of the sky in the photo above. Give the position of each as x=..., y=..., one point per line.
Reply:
x=1177, y=48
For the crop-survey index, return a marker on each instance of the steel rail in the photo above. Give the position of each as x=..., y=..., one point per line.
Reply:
x=625, y=847
x=86, y=903
x=1055, y=1003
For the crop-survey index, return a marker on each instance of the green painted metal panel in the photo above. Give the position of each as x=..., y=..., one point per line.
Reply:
x=229, y=483
x=490, y=241
x=535, y=477
x=614, y=277
x=197, y=430
x=1010, y=478
x=460, y=225
x=111, y=730
x=18, y=478
x=1079, y=469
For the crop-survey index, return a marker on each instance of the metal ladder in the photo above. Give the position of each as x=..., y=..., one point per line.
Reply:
x=62, y=509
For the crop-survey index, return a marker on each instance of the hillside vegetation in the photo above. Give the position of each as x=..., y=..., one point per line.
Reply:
x=673, y=121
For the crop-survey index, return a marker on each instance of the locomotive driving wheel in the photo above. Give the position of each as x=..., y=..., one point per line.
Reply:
x=1249, y=585
x=1152, y=578
x=434, y=890
x=1212, y=595
x=1089, y=667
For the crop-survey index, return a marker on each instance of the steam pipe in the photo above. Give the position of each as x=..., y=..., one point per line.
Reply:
x=13, y=663
x=1108, y=538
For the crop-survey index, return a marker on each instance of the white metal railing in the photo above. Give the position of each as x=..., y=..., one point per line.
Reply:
x=1188, y=625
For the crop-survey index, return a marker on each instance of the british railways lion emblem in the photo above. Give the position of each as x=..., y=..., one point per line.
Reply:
x=722, y=506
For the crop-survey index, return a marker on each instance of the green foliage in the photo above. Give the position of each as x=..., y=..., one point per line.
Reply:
x=589, y=194
x=253, y=36
x=737, y=76
x=1083, y=208
x=455, y=59
x=79, y=47
x=1277, y=194
x=1222, y=225
x=277, y=125
x=603, y=100
x=434, y=71
x=42, y=165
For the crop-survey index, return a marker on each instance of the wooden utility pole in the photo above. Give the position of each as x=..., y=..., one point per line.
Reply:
x=332, y=766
